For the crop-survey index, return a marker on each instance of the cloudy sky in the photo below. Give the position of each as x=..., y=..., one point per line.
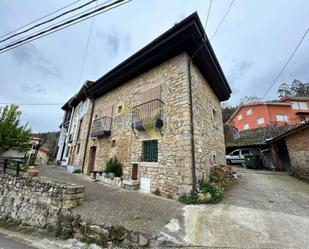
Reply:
x=253, y=43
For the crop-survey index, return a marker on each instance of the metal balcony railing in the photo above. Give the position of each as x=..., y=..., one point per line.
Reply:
x=101, y=127
x=146, y=112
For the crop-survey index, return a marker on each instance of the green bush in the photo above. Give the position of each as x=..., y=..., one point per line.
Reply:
x=157, y=192
x=205, y=187
x=114, y=166
x=219, y=177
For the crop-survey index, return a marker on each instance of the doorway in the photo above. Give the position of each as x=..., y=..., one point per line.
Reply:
x=92, y=155
x=134, y=171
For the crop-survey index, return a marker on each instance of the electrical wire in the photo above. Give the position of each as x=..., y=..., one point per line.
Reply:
x=208, y=14
x=219, y=25
x=39, y=31
x=86, y=49
x=39, y=19
x=47, y=21
x=64, y=25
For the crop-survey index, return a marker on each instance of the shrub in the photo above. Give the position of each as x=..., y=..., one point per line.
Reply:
x=205, y=187
x=219, y=177
x=114, y=166
x=157, y=192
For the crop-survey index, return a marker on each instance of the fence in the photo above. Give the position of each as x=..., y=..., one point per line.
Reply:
x=11, y=163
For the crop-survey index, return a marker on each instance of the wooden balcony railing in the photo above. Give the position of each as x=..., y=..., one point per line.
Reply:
x=101, y=127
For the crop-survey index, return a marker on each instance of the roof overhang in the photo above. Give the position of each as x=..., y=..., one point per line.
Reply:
x=187, y=36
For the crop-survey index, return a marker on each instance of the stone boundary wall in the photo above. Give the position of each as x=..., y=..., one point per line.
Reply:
x=36, y=201
x=46, y=204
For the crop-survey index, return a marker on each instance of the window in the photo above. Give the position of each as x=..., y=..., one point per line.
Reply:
x=249, y=112
x=246, y=127
x=239, y=117
x=214, y=159
x=235, y=153
x=119, y=109
x=113, y=142
x=78, y=147
x=79, y=128
x=282, y=118
x=260, y=121
x=214, y=114
x=150, y=151
x=245, y=152
x=299, y=105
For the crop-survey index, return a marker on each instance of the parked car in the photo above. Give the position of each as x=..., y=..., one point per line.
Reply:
x=238, y=156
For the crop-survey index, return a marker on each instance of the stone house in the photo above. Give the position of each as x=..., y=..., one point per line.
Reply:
x=74, y=129
x=159, y=112
x=42, y=156
x=290, y=151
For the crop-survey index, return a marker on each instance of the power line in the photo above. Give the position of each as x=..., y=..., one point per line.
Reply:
x=86, y=49
x=286, y=64
x=39, y=19
x=64, y=25
x=208, y=14
x=38, y=32
x=47, y=21
x=31, y=104
x=219, y=25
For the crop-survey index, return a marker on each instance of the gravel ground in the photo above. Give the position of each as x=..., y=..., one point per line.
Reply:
x=114, y=206
x=269, y=191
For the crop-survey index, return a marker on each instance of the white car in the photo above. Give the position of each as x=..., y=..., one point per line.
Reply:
x=237, y=156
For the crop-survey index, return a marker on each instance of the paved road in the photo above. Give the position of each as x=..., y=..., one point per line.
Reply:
x=260, y=210
x=6, y=243
x=114, y=206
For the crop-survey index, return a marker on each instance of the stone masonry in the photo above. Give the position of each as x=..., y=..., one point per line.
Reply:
x=298, y=148
x=172, y=174
x=36, y=201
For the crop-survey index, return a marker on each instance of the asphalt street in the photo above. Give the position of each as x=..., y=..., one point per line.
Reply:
x=6, y=243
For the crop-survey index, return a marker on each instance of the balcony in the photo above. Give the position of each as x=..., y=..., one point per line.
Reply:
x=148, y=115
x=101, y=127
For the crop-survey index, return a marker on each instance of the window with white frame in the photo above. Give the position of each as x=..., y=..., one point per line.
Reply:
x=246, y=127
x=239, y=117
x=249, y=112
x=299, y=105
x=282, y=118
x=260, y=121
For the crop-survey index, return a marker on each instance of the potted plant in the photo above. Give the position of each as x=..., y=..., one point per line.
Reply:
x=113, y=168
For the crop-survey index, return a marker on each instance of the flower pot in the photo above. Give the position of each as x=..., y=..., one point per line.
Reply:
x=111, y=175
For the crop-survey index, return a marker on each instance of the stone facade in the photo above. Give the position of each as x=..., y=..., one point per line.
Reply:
x=172, y=173
x=298, y=148
x=36, y=201
x=208, y=126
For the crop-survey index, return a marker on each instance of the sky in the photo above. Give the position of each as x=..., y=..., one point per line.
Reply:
x=252, y=45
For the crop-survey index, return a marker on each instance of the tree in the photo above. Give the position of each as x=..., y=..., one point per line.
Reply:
x=250, y=99
x=227, y=111
x=12, y=134
x=298, y=88
x=284, y=90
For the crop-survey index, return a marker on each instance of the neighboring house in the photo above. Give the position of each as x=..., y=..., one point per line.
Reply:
x=42, y=156
x=30, y=155
x=74, y=129
x=287, y=111
x=290, y=150
x=159, y=112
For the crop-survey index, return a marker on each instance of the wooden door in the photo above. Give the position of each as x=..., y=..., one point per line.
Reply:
x=93, y=150
x=134, y=171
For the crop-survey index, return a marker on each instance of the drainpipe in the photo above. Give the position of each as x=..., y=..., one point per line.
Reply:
x=192, y=126
x=88, y=132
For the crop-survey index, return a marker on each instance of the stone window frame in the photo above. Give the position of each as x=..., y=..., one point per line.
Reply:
x=153, y=159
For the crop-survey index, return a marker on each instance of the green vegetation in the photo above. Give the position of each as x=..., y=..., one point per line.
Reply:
x=157, y=192
x=12, y=134
x=64, y=233
x=209, y=192
x=114, y=166
x=23, y=167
